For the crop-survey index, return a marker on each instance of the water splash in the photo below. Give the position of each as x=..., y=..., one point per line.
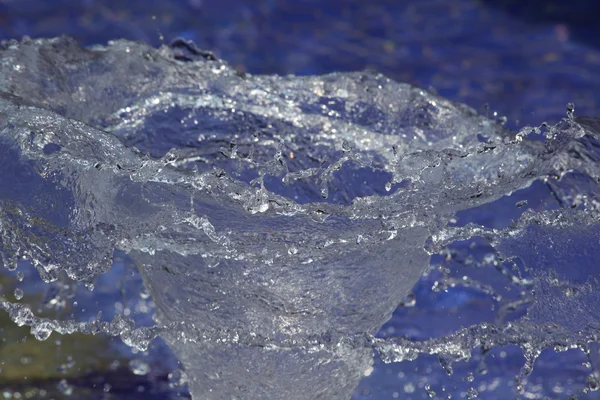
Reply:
x=278, y=221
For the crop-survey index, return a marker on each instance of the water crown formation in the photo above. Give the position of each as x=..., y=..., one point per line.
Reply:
x=278, y=221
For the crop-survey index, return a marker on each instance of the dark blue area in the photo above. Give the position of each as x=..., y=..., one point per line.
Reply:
x=581, y=17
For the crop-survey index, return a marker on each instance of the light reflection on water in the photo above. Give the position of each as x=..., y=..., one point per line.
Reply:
x=450, y=310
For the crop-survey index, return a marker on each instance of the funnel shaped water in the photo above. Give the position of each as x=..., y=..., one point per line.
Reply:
x=276, y=221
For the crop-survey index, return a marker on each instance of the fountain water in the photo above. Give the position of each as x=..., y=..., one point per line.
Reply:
x=276, y=221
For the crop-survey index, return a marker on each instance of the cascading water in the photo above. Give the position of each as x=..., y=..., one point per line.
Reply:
x=278, y=221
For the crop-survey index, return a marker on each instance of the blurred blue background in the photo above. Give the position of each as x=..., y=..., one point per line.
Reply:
x=526, y=59
x=518, y=60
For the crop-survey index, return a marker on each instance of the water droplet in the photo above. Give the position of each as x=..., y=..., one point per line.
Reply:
x=570, y=110
x=43, y=330
x=63, y=368
x=18, y=293
x=388, y=186
x=346, y=146
x=177, y=378
x=446, y=363
x=430, y=392
x=64, y=387
x=521, y=203
x=20, y=276
x=409, y=301
x=139, y=367
x=324, y=190
x=593, y=382
x=472, y=393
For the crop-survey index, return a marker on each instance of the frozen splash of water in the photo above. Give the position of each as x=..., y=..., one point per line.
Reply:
x=278, y=221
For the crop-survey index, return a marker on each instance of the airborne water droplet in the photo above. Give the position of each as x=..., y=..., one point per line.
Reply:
x=18, y=293
x=409, y=301
x=570, y=110
x=42, y=330
x=470, y=377
x=177, y=378
x=430, y=392
x=139, y=367
x=64, y=387
x=593, y=382
x=472, y=393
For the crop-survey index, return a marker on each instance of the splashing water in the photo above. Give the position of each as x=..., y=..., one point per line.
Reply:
x=278, y=221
